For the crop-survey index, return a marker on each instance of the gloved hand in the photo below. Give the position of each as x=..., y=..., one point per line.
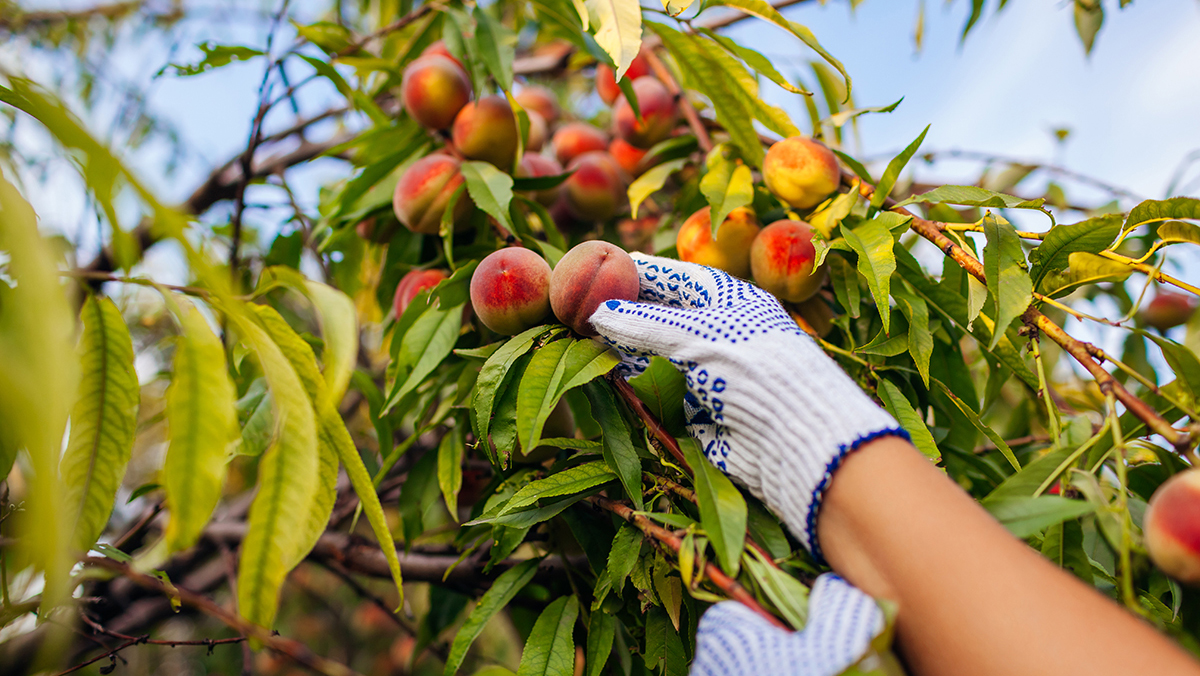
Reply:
x=733, y=641
x=768, y=406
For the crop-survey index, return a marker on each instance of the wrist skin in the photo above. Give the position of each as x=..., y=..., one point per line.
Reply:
x=972, y=598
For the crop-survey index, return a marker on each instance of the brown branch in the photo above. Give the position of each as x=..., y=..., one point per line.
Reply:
x=294, y=650
x=396, y=25
x=933, y=232
x=15, y=20
x=144, y=640
x=731, y=587
x=659, y=433
x=690, y=495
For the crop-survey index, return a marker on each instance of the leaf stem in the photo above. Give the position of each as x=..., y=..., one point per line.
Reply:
x=1126, y=543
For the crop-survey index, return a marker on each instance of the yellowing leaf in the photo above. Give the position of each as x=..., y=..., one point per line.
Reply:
x=102, y=423
x=650, y=182
x=618, y=30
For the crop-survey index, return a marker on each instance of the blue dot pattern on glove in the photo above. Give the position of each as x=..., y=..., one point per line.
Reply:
x=842, y=621
x=767, y=405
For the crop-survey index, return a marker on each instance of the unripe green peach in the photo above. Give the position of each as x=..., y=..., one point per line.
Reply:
x=434, y=89
x=588, y=275
x=425, y=190
x=536, y=165
x=510, y=290
x=606, y=78
x=659, y=114
x=541, y=101
x=1172, y=527
x=596, y=189
x=576, y=138
x=487, y=130
x=627, y=156
x=801, y=172
x=413, y=283
x=782, y=259
x=1168, y=310
x=730, y=251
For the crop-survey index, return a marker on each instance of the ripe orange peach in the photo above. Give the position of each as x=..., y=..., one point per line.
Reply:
x=439, y=47
x=510, y=290
x=659, y=114
x=730, y=251
x=1172, y=527
x=536, y=165
x=782, y=258
x=434, y=89
x=596, y=191
x=1168, y=310
x=541, y=101
x=413, y=283
x=627, y=156
x=588, y=275
x=425, y=190
x=801, y=172
x=606, y=80
x=487, y=130
x=576, y=138
x=538, y=131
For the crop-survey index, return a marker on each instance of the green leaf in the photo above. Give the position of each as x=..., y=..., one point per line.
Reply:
x=287, y=480
x=1084, y=269
x=503, y=590
x=973, y=196
x=1090, y=236
x=567, y=482
x=339, y=328
x=1089, y=17
x=1028, y=516
x=424, y=346
x=661, y=387
x=663, y=644
x=103, y=422
x=884, y=345
x=650, y=182
x=618, y=30
x=618, y=448
x=841, y=118
x=979, y=425
x=722, y=508
x=873, y=243
x=539, y=392
x=584, y=361
x=920, y=340
x=490, y=189
x=1024, y=484
x=744, y=85
x=202, y=420
x=845, y=285
x=788, y=594
x=758, y=62
x=602, y=627
x=1154, y=211
x=550, y=650
x=1063, y=546
x=1183, y=362
x=1004, y=268
x=531, y=517
x=892, y=173
x=491, y=375
x=1173, y=232
x=449, y=470
x=898, y=405
x=215, y=56
x=727, y=185
x=623, y=556
x=495, y=43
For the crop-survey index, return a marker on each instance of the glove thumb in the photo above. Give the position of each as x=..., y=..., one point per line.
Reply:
x=646, y=329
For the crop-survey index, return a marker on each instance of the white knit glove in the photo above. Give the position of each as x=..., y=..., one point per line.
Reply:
x=768, y=406
x=733, y=641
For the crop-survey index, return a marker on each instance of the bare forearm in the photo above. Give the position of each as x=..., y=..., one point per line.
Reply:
x=973, y=599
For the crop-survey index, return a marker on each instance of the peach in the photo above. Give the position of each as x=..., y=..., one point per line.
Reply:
x=541, y=101
x=782, y=258
x=538, y=130
x=801, y=172
x=536, y=165
x=1168, y=310
x=487, y=130
x=440, y=49
x=510, y=290
x=638, y=234
x=413, y=283
x=576, y=138
x=659, y=114
x=1172, y=527
x=730, y=251
x=606, y=80
x=596, y=189
x=588, y=275
x=434, y=90
x=629, y=157
x=425, y=190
